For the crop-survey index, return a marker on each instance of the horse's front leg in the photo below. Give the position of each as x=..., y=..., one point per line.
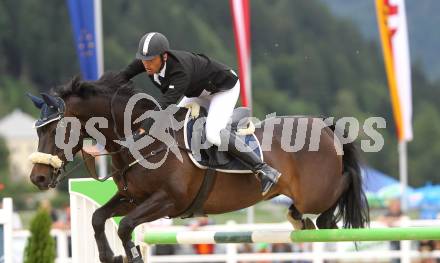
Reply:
x=116, y=206
x=158, y=205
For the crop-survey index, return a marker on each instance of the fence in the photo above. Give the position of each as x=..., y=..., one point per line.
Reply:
x=6, y=231
x=62, y=242
x=87, y=195
x=315, y=252
x=287, y=236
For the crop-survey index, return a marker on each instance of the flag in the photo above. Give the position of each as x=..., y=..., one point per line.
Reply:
x=241, y=21
x=391, y=17
x=86, y=19
x=85, y=16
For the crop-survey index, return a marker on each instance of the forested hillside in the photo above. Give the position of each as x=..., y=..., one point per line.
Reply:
x=422, y=17
x=305, y=61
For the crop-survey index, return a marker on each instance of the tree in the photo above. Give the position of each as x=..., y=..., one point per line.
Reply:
x=4, y=153
x=425, y=149
x=41, y=246
x=3, y=165
x=13, y=95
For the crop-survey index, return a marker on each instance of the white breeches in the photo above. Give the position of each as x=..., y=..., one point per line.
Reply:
x=220, y=107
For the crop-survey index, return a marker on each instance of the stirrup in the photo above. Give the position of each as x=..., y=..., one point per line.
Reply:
x=264, y=192
x=266, y=178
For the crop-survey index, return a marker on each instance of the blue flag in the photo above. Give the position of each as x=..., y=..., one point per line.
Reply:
x=85, y=18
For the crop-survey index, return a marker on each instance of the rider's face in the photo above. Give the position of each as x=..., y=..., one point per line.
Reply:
x=153, y=66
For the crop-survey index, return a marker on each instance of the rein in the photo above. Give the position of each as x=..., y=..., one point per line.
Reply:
x=58, y=165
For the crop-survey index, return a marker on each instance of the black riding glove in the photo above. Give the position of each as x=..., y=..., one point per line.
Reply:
x=146, y=124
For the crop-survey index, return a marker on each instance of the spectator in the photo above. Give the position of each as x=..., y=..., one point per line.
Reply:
x=45, y=204
x=262, y=248
x=202, y=249
x=427, y=246
x=63, y=218
x=393, y=218
x=281, y=248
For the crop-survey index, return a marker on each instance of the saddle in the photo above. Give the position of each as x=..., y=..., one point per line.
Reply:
x=209, y=157
x=212, y=157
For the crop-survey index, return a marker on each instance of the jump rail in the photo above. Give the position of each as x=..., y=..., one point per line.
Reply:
x=324, y=235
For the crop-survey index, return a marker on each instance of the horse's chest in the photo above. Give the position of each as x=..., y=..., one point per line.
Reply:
x=137, y=186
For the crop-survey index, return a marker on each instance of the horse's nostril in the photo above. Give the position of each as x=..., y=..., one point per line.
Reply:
x=40, y=179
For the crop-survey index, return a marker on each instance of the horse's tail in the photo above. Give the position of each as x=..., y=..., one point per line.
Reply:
x=353, y=206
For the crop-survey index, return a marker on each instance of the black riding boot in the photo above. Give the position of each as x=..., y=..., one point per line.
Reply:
x=236, y=146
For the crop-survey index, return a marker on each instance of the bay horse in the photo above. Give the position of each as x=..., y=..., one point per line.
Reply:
x=319, y=182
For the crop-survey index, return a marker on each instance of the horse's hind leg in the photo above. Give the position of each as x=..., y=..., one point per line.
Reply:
x=296, y=219
x=156, y=206
x=114, y=207
x=327, y=220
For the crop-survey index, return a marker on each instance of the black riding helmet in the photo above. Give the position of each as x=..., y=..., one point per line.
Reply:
x=151, y=45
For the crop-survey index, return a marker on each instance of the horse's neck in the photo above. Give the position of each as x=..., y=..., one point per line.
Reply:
x=118, y=120
x=118, y=115
x=85, y=109
x=98, y=106
x=141, y=107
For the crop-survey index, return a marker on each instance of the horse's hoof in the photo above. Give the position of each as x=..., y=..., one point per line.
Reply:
x=110, y=259
x=118, y=259
x=136, y=260
x=308, y=224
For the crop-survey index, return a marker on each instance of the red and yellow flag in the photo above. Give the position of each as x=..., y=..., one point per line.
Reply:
x=391, y=17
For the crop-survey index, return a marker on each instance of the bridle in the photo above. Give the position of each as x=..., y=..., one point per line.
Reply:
x=54, y=161
x=45, y=158
x=59, y=165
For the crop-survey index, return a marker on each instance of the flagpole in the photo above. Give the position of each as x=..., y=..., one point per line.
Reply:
x=99, y=39
x=391, y=19
x=240, y=19
x=403, y=174
x=102, y=160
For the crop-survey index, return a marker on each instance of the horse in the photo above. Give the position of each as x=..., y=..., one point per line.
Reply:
x=319, y=182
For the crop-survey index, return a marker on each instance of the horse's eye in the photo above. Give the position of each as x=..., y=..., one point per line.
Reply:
x=53, y=132
x=41, y=131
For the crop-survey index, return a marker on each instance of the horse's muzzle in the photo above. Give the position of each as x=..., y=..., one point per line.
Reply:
x=44, y=182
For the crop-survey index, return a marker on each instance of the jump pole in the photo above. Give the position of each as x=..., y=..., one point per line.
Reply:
x=324, y=235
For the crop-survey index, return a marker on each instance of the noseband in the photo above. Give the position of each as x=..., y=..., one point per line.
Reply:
x=48, y=159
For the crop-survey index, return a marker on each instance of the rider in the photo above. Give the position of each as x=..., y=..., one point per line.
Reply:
x=197, y=78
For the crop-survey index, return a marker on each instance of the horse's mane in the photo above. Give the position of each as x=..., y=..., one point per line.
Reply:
x=108, y=84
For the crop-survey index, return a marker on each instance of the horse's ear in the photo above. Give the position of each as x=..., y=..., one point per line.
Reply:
x=38, y=102
x=50, y=100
